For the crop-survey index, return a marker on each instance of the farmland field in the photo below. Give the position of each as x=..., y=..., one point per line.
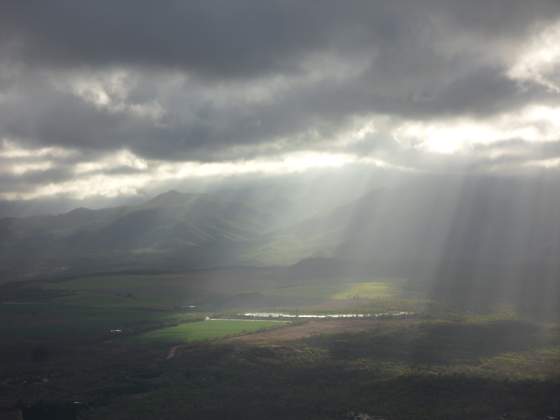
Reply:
x=55, y=322
x=210, y=293
x=339, y=291
x=392, y=369
x=437, y=364
x=87, y=308
x=207, y=330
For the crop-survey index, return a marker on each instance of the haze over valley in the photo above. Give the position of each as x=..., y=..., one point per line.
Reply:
x=280, y=210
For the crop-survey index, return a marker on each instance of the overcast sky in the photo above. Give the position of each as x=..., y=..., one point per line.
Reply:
x=101, y=99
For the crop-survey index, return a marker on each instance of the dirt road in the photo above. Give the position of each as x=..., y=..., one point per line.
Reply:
x=172, y=352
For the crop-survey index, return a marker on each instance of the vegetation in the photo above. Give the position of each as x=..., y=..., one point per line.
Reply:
x=441, y=364
x=367, y=290
x=206, y=330
x=441, y=376
x=55, y=322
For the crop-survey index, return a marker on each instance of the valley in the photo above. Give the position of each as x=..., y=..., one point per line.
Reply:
x=177, y=307
x=180, y=344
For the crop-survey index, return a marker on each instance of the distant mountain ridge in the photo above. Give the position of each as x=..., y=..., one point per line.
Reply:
x=191, y=230
x=458, y=228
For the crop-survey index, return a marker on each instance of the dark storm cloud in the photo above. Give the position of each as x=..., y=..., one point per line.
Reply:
x=241, y=38
x=194, y=128
x=15, y=183
x=316, y=66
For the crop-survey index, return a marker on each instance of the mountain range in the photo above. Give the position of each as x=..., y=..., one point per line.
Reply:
x=451, y=232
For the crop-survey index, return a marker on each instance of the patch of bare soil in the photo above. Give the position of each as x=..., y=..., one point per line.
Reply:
x=307, y=329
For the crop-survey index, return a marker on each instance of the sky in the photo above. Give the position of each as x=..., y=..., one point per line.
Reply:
x=103, y=100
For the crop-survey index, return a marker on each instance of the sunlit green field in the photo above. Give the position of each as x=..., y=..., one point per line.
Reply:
x=207, y=330
x=459, y=369
x=375, y=296
x=56, y=322
x=367, y=290
x=437, y=365
x=177, y=291
x=90, y=306
x=339, y=291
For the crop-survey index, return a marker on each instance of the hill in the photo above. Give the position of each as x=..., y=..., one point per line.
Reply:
x=170, y=230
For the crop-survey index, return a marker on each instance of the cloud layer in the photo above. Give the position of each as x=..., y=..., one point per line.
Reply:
x=119, y=94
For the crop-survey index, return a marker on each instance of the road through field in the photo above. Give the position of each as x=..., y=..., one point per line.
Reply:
x=297, y=332
x=172, y=352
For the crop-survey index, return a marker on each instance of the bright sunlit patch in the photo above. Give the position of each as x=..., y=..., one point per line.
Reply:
x=121, y=159
x=304, y=161
x=108, y=90
x=541, y=113
x=544, y=163
x=94, y=178
x=101, y=89
x=539, y=60
x=445, y=137
x=24, y=168
x=125, y=173
x=360, y=132
x=16, y=160
x=11, y=150
x=292, y=163
x=534, y=123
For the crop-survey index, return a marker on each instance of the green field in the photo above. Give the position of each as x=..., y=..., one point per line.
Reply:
x=58, y=322
x=217, y=294
x=87, y=308
x=367, y=290
x=338, y=291
x=441, y=364
x=207, y=330
x=398, y=370
x=147, y=291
